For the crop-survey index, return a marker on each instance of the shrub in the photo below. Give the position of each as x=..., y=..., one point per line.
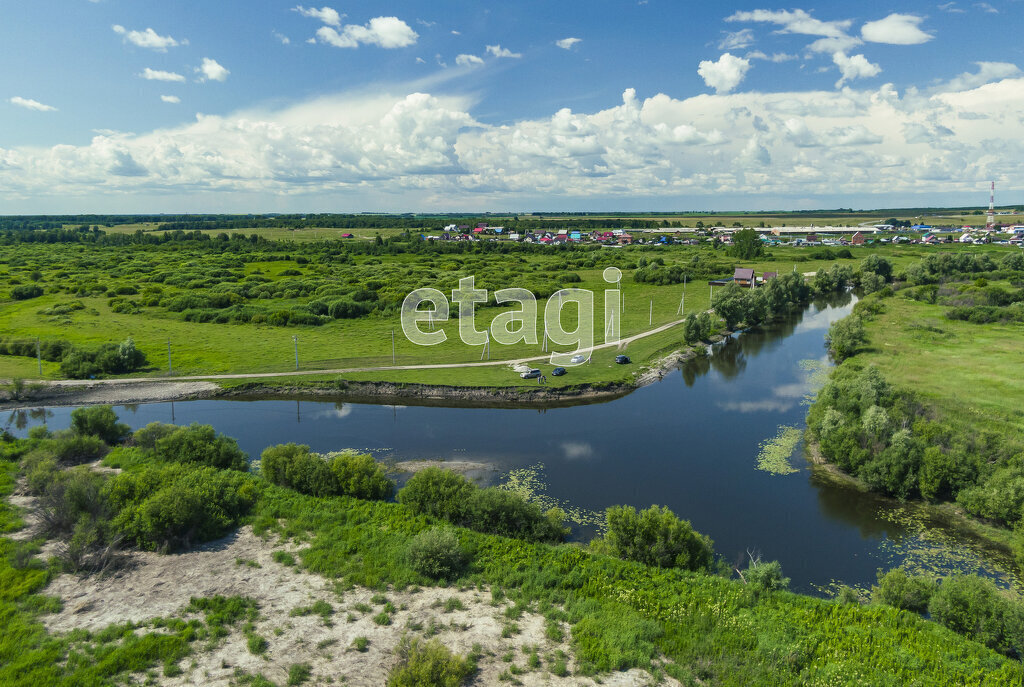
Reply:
x=436, y=553
x=99, y=421
x=763, y=578
x=147, y=437
x=972, y=606
x=73, y=449
x=202, y=445
x=169, y=507
x=23, y=293
x=359, y=475
x=107, y=359
x=437, y=492
x=898, y=589
x=293, y=466
x=71, y=497
x=422, y=663
x=498, y=511
x=657, y=537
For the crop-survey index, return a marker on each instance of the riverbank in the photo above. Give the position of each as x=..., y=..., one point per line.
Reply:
x=132, y=391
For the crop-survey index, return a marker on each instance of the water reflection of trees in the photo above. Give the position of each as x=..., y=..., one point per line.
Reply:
x=852, y=507
x=20, y=418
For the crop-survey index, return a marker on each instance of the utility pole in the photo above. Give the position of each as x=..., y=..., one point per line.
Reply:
x=393, y=347
x=169, y=357
x=295, y=340
x=487, y=347
x=39, y=357
x=650, y=317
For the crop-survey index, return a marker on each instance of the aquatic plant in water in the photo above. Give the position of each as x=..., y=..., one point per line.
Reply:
x=529, y=483
x=774, y=453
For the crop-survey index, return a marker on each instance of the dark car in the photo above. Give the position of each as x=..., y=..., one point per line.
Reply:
x=622, y=359
x=558, y=372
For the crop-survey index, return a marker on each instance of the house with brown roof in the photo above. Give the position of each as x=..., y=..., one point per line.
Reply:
x=744, y=276
x=857, y=239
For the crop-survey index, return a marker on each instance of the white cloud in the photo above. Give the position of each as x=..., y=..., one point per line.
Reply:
x=896, y=29
x=775, y=57
x=420, y=151
x=987, y=73
x=951, y=8
x=736, y=40
x=985, y=7
x=420, y=60
x=499, y=51
x=468, y=61
x=30, y=104
x=147, y=39
x=327, y=15
x=386, y=32
x=170, y=99
x=795, y=21
x=568, y=43
x=212, y=70
x=160, y=75
x=725, y=74
x=285, y=40
x=856, y=67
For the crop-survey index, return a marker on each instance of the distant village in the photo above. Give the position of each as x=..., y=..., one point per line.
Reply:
x=785, y=236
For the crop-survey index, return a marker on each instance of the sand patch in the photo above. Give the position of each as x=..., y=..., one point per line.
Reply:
x=156, y=585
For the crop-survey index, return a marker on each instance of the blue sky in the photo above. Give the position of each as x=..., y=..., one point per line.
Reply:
x=259, y=106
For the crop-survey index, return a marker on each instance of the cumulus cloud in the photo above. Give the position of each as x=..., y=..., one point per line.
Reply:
x=30, y=104
x=170, y=98
x=896, y=29
x=160, y=75
x=987, y=73
x=430, y=152
x=985, y=7
x=499, y=51
x=327, y=15
x=385, y=32
x=468, y=61
x=856, y=67
x=211, y=70
x=568, y=43
x=725, y=74
x=147, y=39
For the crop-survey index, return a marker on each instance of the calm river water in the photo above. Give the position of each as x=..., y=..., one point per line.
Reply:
x=689, y=442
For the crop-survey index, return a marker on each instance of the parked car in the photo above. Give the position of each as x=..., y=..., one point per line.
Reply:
x=531, y=374
x=577, y=359
x=622, y=359
x=558, y=372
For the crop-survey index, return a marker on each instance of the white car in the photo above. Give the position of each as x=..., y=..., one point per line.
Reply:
x=577, y=359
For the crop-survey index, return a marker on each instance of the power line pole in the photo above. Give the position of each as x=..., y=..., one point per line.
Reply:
x=295, y=340
x=39, y=357
x=393, y=347
x=169, y=368
x=650, y=317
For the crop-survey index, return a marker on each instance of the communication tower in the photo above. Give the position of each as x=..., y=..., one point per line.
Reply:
x=990, y=224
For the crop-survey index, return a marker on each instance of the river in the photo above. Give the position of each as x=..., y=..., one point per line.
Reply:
x=689, y=442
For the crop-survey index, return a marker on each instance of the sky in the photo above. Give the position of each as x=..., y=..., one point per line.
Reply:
x=132, y=106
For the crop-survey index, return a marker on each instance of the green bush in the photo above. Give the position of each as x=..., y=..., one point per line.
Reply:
x=436, y=492
x=657, y=537
x=900, y=590
x=765, y=577
x=972, y=606
x=845, y=337
x=436, y=553
x=200, y=444
x=23, y=293
x=147, y=437
x=428, y=663
x=74, y=449
x=294, y=467
x=169, y=507
x=359, y=475
x=99, y=421
x=109, y=358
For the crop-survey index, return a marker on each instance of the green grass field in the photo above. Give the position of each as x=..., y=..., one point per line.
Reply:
x=969, y=372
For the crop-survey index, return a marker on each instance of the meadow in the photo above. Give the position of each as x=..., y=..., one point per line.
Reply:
x=243, y=304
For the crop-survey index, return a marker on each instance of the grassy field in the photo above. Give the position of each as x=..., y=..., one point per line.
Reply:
x=969, y=372
x=89, y=277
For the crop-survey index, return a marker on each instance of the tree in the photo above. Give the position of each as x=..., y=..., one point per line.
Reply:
x=746, y=245
x=845, y=336
x=730, y=304
x=201, y=444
